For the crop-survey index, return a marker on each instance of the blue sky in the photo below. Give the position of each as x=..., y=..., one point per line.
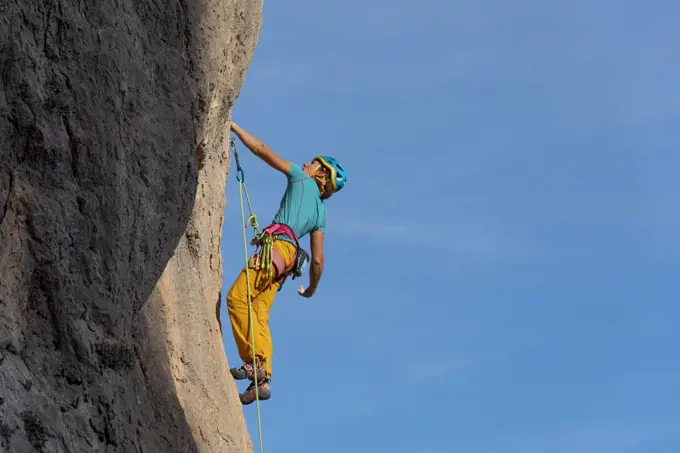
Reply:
x=499, y=267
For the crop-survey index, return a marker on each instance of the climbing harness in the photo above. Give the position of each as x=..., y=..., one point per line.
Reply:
x=267, y=258
x=240, y=177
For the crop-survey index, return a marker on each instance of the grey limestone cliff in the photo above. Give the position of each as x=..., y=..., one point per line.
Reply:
x=110, y=223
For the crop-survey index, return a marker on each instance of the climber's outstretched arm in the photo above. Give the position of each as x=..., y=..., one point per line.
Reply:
x=257, y=147
x=316, y=268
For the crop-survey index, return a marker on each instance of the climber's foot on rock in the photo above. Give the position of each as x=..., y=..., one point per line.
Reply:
x=247, y=371
x=263, y=389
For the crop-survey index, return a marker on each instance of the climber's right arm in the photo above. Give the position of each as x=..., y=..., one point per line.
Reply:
x=257, y=147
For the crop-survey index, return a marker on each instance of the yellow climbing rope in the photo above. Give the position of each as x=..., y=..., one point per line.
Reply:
x=253, y=221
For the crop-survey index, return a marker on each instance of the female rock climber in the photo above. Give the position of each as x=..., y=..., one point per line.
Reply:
x=301, y=212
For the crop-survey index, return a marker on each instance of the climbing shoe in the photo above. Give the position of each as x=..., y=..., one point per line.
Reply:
x=263, y=389
x=247, y=371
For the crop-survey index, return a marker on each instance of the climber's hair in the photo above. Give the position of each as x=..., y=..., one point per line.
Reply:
x=322, y=177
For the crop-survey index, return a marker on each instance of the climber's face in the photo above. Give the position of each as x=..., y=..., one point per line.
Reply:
x=312, y=167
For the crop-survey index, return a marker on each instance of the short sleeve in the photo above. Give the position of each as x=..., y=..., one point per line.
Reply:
x=322, y=225
x=295, y=173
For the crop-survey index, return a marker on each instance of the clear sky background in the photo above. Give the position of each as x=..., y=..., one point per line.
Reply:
x=502, y=265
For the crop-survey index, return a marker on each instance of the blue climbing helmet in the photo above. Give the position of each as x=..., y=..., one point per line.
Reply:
x=338, y=175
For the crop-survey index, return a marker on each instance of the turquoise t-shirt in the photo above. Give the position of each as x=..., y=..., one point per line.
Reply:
x=302, y=208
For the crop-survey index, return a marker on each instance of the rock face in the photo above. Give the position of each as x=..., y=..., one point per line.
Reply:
x=110, y=223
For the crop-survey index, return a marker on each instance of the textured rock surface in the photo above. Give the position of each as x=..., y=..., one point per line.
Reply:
x=110, y=223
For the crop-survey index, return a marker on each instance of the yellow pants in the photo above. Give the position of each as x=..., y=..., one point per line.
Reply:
x=262, y=300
